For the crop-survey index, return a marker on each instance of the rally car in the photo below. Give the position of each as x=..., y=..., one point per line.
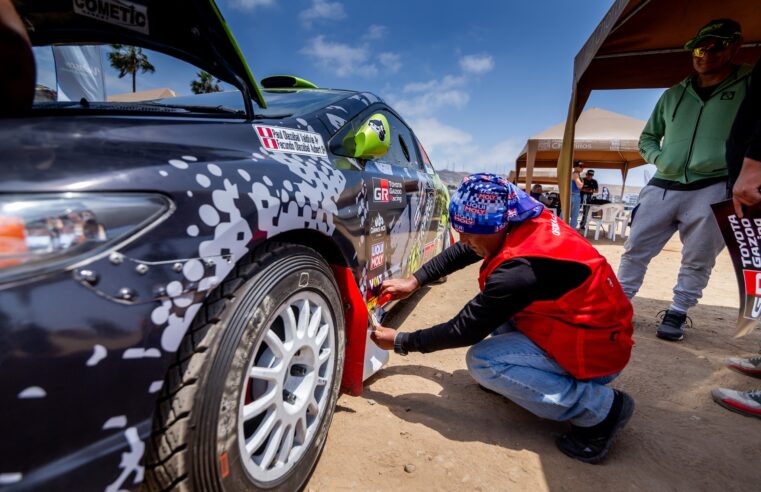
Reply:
x=185, y=282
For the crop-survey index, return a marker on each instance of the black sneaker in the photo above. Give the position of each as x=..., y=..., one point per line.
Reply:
x=672, y=326
x=592, y=444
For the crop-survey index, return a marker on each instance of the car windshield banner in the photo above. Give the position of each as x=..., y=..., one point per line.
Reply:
x=79, y=73
x=743, y=239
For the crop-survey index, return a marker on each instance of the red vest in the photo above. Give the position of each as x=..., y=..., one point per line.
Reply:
x=588, y=331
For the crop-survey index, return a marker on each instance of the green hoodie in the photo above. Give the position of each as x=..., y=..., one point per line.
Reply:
x=693, y=131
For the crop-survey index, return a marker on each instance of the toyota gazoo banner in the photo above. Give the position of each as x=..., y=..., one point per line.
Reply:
x=743, y=239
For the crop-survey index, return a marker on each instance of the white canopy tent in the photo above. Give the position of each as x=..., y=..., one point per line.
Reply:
x=604, y=140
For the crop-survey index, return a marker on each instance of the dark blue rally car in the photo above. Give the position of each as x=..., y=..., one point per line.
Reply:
x=185, y=281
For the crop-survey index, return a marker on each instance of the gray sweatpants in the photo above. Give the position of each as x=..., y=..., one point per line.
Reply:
x=660, y=214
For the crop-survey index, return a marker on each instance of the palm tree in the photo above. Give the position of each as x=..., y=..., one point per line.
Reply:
x=129, y=59
x=204, y=84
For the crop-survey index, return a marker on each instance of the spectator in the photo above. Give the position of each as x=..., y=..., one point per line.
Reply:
x=590, y=188
x=560, y=323
x=538, y=194
x=744, y=164
x=692, y=119
x=576, y=186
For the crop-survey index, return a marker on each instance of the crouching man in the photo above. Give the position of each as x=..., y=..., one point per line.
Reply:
x=560, y=323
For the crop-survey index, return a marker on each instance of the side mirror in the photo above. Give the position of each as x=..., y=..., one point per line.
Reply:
x=373, y=138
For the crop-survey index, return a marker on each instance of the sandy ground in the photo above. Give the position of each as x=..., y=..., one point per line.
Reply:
x=425, y=413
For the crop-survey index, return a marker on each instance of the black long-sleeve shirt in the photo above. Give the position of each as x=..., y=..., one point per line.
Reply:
x=510, y=288
x=745, y=137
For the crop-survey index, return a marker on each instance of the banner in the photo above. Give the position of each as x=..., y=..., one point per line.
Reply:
x=79, y=73
x=743, y=239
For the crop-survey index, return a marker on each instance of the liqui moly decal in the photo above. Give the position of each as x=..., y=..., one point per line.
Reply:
x=288, y=140
x=377, y=257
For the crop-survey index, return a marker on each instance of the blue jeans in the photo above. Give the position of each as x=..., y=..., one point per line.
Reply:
x=515, y=367
x=573, y=218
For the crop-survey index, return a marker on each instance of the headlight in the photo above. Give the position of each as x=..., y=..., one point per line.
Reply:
x=41, y=233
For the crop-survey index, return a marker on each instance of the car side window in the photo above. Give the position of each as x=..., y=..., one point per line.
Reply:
x=402, y=151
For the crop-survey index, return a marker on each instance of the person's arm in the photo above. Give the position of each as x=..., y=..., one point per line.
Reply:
x=746, y=188
x=448, y=261
x=508, y=290
x=650, y=139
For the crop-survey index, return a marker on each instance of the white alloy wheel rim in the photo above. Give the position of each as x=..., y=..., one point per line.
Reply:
x=284, y=398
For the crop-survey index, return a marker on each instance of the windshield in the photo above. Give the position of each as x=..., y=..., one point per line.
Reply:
x=280, y=102
x=94, y=76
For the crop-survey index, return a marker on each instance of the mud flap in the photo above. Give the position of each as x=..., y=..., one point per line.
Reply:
x=356, y=316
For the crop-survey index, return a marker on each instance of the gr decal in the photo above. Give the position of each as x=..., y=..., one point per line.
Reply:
x=279, y=139
x=388, y=191
x=752, y=282
x=377, y=255
x=117, y=12
x=378, y=128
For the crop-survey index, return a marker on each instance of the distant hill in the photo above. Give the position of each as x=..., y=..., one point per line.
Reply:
x=453, y=178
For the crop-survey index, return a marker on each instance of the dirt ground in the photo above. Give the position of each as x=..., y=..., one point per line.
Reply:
x=425, y=413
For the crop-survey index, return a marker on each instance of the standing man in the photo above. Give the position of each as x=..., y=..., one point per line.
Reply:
x=744, y=163
x=561, y=324
x=588, y=189
x=693, y=120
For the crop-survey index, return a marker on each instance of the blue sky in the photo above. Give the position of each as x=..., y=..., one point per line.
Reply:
x=474, y=79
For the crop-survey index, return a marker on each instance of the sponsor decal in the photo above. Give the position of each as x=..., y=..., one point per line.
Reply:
x=280, y=139
x=377, y=257
x=463, y=219
x=475, y=208
x=743, y=237
x=378, y=128
x=374, y=282
x=387, y=191
x=727, y=95
x=120, y=13
x=378, y=225
x=555, y=227
x=752, y=282
x=429, y=250
x=488, y=196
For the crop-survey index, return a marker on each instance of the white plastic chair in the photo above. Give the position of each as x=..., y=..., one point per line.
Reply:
x=612, y=214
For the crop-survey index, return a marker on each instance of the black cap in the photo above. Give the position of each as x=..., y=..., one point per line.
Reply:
x=717, y=28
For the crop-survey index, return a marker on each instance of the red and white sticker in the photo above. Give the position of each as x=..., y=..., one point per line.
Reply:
x=280, y=139
x=752, y=282
x=377, y=255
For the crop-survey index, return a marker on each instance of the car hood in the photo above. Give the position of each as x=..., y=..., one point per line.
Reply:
x=192, y=30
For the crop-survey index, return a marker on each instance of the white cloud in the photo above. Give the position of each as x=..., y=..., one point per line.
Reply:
x=322, y=9
x=426, y=103
x=477, y=64
x=342, y=59
x=251, y=4
x=448, y=82
x=391, y=61
x=451, y=147
x=375, y=32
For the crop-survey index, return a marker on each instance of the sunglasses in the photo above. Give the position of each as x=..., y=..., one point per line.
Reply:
x=711, y=48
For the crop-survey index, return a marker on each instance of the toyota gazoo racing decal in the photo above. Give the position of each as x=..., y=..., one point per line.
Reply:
x=388, y=191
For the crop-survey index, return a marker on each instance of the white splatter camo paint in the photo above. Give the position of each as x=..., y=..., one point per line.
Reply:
x=179, y=164
x=141, y=353
x=99, y=353
x=336, y=121
x=32, y=392
x=130, y=463
x=155, y=386
x=9, y=478
x=118, y=422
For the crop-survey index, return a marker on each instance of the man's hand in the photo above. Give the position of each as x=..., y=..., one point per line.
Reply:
x=383, y=337
x=745, y=191
x=399, y=288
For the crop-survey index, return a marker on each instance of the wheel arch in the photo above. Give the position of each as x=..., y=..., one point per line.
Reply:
x=355, y=308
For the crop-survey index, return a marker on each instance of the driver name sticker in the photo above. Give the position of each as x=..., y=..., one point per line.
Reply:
x=117, y=12
x=279, y=139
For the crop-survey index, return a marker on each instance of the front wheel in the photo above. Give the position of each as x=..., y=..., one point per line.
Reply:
x=266, y=378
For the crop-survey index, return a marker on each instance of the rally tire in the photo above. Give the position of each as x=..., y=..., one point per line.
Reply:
x=195, y=443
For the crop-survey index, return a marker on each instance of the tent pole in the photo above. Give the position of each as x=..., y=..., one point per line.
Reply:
x=530, y=159
x=566, y=156
x=624, y=173
x=517, y=173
